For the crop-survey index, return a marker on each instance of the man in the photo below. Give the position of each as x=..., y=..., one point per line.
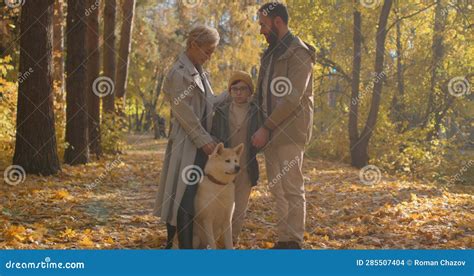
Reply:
x=285, y=98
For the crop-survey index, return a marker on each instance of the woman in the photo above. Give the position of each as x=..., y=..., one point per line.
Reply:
x=191, y=98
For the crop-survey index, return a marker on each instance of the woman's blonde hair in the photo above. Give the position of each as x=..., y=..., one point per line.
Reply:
x=203, y=35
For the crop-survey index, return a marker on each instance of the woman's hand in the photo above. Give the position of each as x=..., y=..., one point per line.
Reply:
x=209, y=148
x=260, y=138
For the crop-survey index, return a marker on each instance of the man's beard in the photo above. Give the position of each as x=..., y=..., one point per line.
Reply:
x=273, y=36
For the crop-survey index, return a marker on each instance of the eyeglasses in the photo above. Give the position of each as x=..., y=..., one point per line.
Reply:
x=239, y=89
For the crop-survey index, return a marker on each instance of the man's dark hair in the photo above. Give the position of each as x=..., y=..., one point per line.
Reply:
x=274, y=9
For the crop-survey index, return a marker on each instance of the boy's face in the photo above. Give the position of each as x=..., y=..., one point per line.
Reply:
x=240, y=92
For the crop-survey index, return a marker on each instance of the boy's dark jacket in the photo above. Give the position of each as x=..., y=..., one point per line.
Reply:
x=220, y=130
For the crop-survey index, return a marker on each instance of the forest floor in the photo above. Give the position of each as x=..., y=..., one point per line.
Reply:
x=108, y=203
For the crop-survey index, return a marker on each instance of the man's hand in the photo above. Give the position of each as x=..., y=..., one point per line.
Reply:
x=260, y=138
x=209, y=148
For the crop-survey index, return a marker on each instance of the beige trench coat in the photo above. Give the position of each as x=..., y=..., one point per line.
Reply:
x=185, y=91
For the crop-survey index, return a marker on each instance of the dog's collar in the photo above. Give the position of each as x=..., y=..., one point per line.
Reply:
x=214, y=180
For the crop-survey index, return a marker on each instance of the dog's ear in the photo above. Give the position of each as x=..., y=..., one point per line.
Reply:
x=239, y=149
x=218, y=149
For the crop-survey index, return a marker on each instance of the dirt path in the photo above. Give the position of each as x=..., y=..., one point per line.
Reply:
x=107, y=204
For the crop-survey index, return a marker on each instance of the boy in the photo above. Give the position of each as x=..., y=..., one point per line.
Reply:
x=235, y=122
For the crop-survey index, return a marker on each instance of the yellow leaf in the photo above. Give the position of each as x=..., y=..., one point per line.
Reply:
x=62, y=194
x=68, y=233
x=415, y=216
x=267, y=245
x=109, y=240
x=86, y=242
x=16, y=233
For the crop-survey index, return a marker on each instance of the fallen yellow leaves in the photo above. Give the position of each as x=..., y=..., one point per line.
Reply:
x=17, y=233
x=69, y=211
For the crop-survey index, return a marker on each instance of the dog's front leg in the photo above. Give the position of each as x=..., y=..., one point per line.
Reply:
x=228, y=243
x=208, y=229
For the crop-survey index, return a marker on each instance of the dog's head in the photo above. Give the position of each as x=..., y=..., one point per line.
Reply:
x=224, y=163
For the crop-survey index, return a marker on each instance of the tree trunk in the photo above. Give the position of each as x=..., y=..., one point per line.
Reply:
x=360, y=150
x=437, y=47
x=140, y=122
x=159, y=86
x=136, y=115
x=128, y=8
x=58, y=45
x=398, y=103
x=354, y=104
x=156, y=126
x=109, y=52
x=76, y=108
x=129, y=115
x=35, y=146
x=148, y=117
x=93, y=70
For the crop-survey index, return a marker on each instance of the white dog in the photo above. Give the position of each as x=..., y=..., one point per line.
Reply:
x=214, y=202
